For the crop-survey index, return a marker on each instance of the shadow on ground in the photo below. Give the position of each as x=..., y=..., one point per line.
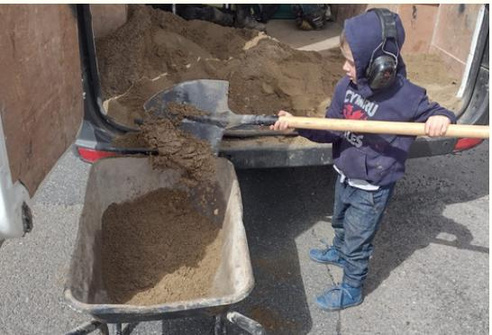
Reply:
x=281, y=204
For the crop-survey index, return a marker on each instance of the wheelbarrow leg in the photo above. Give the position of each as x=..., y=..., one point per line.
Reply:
x=219, y=328
x=90, y=327
x=245, y=323
x=120, y=330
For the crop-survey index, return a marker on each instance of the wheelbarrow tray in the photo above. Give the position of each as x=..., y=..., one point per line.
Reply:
x=116, y=180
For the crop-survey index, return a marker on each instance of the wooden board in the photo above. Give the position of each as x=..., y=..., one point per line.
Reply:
x=41, y=90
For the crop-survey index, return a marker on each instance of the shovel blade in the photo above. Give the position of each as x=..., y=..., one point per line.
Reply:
x=210, y=96
x=209, y=133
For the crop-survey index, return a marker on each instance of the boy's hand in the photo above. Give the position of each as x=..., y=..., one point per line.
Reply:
x=281, y=124
x=437, y=125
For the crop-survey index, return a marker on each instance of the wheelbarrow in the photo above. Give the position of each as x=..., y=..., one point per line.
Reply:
x=116, y=180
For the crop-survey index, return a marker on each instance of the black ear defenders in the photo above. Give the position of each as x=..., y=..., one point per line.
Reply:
x=381, y=71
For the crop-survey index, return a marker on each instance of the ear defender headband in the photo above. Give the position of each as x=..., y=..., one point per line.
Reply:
x=381, y=71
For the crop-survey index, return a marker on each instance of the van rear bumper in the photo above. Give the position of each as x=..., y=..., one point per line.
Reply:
x=256, y=155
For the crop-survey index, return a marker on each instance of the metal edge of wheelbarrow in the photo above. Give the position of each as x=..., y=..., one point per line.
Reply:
x=119, y=313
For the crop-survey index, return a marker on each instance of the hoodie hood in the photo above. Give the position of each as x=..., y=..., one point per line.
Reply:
x=364, y=34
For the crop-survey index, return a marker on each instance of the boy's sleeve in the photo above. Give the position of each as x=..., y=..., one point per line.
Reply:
x=334, y=111
x=426, y=109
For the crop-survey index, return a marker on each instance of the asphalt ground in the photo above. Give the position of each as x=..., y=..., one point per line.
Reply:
x=429, y=273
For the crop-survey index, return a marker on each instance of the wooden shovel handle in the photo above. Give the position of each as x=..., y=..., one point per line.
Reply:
x=382, y=127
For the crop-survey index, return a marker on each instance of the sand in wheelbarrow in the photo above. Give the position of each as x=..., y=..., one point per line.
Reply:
x=159, y=248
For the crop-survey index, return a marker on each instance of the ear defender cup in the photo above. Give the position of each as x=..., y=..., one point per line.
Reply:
x=381, y=71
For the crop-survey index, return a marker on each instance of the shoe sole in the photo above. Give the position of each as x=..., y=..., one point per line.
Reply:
x=326, y=262
x=340, y=308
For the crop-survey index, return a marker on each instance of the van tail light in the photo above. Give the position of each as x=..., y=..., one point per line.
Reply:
x=92, y=155
x=466, y=143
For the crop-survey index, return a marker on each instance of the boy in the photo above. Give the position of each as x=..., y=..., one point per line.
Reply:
x=368, y=165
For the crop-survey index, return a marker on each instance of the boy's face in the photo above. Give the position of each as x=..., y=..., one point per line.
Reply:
x=349, y=65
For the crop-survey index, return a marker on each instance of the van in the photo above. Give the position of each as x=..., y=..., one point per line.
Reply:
x=53, y=96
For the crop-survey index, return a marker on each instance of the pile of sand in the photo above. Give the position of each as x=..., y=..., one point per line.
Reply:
x=155, y=50
x=158, y=249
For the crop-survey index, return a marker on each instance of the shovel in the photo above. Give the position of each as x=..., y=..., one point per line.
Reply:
x=211, y=97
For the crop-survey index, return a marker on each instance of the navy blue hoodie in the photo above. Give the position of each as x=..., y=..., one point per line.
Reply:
x=378, y=159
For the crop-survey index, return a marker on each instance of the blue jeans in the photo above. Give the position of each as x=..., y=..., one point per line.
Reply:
x=356, y=217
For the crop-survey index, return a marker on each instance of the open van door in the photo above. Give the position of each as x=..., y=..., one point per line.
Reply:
x=41, y=103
